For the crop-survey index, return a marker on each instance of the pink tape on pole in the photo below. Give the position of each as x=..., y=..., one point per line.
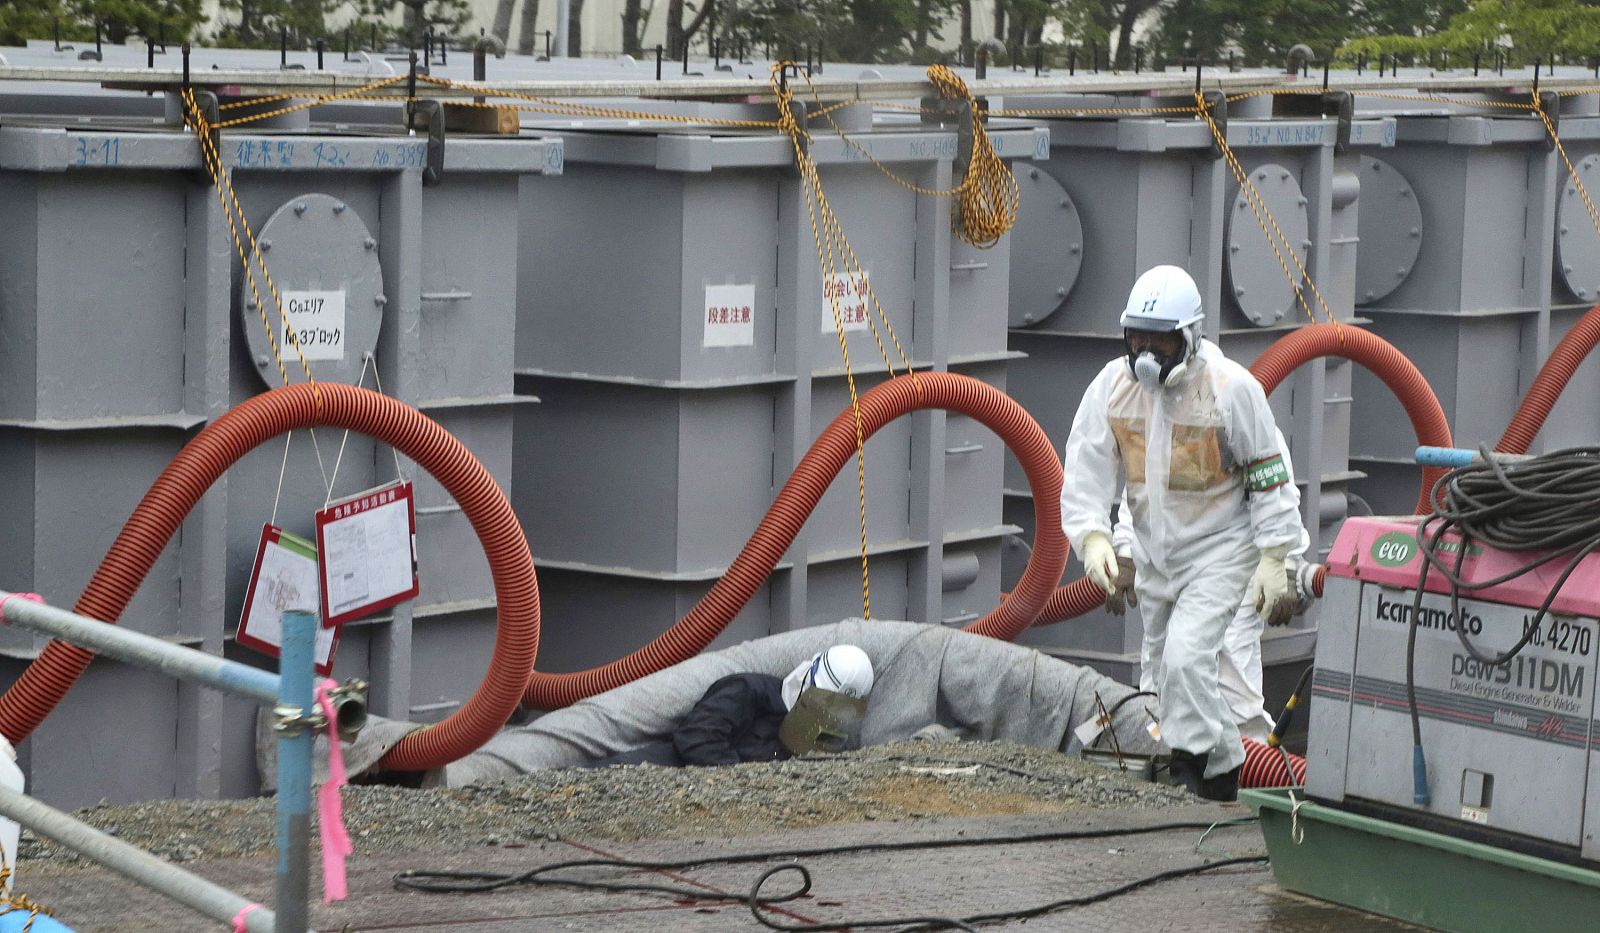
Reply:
x=238, y=918
x=330, y=806
x=30, y=597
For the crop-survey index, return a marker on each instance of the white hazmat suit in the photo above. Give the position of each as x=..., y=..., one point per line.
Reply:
x=1189, y=451
x=1239, y=663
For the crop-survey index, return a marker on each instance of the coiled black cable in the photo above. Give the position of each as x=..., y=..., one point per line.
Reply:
x=1544, y=506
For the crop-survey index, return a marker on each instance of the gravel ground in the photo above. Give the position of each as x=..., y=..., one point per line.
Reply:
x=896, y=782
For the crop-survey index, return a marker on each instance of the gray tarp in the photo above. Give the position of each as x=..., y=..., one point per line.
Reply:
x=979, y=687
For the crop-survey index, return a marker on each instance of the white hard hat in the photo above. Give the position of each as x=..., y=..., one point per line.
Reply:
x=1164, y=299
x=843, y=669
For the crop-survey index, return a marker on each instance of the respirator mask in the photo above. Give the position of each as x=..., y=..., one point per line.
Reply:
x=1156, y=370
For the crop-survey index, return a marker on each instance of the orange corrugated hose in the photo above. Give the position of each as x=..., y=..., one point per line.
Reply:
x=1548, y=385
x=898, y=396
x=223, y=443
x=1382, y=359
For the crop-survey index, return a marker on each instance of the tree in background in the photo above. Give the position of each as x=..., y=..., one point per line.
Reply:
x=445, y=18
x=21, y=20
x=680, y=34
x=849, y=30
x=634, y=17
x=262, y=22
x=1261, y=32
x=1535, y=29
x=1097, y=21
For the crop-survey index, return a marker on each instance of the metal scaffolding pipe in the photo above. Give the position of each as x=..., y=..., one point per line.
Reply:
x=134, y=863
x=296, y=701
x=142, y=650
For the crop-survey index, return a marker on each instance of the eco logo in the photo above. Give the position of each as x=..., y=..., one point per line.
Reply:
x=1394, y=549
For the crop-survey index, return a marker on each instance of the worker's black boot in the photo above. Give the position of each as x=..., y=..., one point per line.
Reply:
x=1224, y=787
x=1187, y=770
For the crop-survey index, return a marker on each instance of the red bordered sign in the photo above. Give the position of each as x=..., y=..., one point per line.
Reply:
x=367, y=552
x=284, y=577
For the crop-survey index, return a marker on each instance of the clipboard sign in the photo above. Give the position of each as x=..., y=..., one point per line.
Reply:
x=284, y=577
x=367, y=552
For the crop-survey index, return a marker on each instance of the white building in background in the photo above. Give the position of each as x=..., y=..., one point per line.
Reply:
x=602, y=23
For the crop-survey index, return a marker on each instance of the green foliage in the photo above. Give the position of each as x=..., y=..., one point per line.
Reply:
x=1533, y=28
x=262, y=22
x=1259, y=32
x=21, y=20
x=447, y=18
x=849, y=30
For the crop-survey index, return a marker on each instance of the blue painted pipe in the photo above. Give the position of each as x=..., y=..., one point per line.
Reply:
x=296, y=691
x=1452, y=458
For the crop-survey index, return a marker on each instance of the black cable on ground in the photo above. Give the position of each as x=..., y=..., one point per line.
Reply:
x=1545, y=504
x=467, y=882
x=911, y=924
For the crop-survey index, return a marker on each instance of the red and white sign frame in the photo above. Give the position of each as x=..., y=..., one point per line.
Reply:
x=358, y=508
x=270, y=643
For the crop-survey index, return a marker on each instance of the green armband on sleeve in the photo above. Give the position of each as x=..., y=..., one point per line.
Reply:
x=1265, y=474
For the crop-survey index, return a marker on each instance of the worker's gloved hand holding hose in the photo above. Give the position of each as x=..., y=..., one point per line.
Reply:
x=1269, y=588
x=1123, y=596
x=1100, y=561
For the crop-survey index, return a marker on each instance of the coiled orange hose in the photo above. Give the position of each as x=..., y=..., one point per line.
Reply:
x=1549, y=383
x=899, y=396
x=223, y=443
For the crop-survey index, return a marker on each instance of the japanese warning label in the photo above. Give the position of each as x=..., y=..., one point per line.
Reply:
x=729, y=316
x=849, y=290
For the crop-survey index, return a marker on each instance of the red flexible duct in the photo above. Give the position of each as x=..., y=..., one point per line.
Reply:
x=1274, y=365
x=1263, y=767
x=1383, y=360
x=1547, y=386
x=899, y=396
x=223, y=443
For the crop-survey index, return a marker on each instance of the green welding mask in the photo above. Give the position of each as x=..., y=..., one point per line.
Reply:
x=821, y=721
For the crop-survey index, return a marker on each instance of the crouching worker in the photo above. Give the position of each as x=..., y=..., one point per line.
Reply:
x=819, y=706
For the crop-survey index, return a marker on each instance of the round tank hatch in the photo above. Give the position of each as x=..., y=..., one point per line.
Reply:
x=1390, y=228
x=1577, y=243
x=1046, y=248
x=1255, y=276
x=324, y=265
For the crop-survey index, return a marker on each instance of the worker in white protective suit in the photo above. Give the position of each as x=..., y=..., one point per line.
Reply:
x=1239, y=663
x=1213, y=507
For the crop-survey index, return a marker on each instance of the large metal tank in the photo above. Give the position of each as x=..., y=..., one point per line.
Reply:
x=663, y=435
x=125, y=325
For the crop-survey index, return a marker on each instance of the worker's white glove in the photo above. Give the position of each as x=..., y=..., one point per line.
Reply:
x=1269, y=588
x=1100, y=561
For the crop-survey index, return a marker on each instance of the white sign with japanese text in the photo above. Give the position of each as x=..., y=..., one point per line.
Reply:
x=317, y=321
x=729, y=316
x=849, y=291
x=367, y=550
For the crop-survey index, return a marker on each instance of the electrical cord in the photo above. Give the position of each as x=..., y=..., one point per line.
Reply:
x=1544, y=504
x=1111, y=715
x=467, y=882
x=910, y=924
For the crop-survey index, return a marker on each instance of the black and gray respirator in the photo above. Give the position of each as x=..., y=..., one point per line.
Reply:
x=1154, y=370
